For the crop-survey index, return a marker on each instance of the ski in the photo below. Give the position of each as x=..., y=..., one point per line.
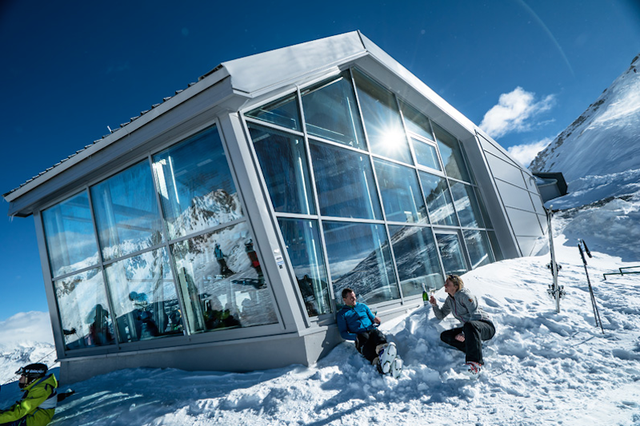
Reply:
x=555, y=290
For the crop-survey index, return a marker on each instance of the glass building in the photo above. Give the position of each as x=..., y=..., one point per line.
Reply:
x=224, y=222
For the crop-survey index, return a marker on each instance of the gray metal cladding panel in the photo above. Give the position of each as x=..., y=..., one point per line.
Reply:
x=537, y=203
x=490, y=148
x=530, y=182
x=527, y=245
x=505, y=171
x=525, y=224
x=513, y=196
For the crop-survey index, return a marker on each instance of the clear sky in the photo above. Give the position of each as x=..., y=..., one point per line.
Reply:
x=524, y=70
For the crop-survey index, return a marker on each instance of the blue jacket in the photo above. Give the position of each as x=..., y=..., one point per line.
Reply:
x=353, y=320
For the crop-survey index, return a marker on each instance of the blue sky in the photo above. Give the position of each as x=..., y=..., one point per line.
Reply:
x=524, y=70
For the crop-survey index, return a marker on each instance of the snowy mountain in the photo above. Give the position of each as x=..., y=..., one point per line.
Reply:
x=605, y=138
x=14, y=356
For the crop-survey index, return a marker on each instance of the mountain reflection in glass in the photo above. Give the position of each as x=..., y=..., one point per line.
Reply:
x=451, y=155
x=466, y=205
x=479, y=248
x=283, y=161
x=70, y=237
x=126, y=212
x=221, y=282
x=359, y=258
x=84, y=312
x=451, y=253
x=400, y=191
x=345, y=184
x=416, y=258
x=439, y=201
x=302, y=239
x=144, y=297
x=195, y=185
x=382, y=121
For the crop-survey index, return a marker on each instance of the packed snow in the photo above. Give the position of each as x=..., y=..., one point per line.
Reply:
x=542, y=367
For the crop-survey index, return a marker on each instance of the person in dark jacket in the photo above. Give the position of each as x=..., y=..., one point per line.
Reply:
x=357, y=323
x=38, y=404
x=476, y=324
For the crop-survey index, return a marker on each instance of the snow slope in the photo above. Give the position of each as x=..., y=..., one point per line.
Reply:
x=543, y=367
x=604, y=139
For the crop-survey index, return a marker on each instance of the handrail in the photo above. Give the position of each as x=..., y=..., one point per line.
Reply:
x=623, y=272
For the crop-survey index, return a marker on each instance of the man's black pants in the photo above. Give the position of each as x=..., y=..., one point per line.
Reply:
x=367, y=342
x=474, y=333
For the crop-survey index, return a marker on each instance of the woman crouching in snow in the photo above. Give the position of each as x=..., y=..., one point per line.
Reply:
x=477, y=325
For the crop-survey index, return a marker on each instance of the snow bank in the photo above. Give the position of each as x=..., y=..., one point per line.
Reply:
x=543, y=367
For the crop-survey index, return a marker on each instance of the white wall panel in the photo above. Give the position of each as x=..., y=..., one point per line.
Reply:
x=525, y=224
x=513, y=196
x=505, y=171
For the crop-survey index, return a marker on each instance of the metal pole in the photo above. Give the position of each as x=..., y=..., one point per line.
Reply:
x=594, y=305
x=555, y=290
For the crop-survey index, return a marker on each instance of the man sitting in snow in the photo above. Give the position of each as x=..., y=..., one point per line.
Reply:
x=477, y=325
x=357, y=323
x=38, y=404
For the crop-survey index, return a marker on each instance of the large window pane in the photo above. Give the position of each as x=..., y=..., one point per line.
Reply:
x=330, y=112
x=466, y=205
x=221, y=282
x=451, y=253
x=382, y=120
x=283, y=112
x=438, y=200
x=144, y=297
x=84, y=311
x=426, y=154
x=400, y=192
x=195, y=185
x=416, y=122
x=451, y=155
x=126, y=212
x=479, y=248
x=302, y=238
x=416, y=258
x=345, y=183
x=71, y=240
x=283, y=161
x=359, y=258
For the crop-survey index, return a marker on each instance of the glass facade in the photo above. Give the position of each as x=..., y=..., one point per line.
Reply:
x=367, y=193
x=84, y=311
x=71, y=240
x=160, y=249
x=370, y=194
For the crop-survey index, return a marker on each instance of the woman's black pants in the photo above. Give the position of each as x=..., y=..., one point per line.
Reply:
x=474, y=333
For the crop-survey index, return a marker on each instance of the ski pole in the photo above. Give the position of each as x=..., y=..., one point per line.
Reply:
x=582, y=244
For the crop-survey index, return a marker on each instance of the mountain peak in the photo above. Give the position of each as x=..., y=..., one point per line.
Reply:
x=602, y=140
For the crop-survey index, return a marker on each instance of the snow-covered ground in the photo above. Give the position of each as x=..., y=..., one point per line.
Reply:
x=543, y=367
